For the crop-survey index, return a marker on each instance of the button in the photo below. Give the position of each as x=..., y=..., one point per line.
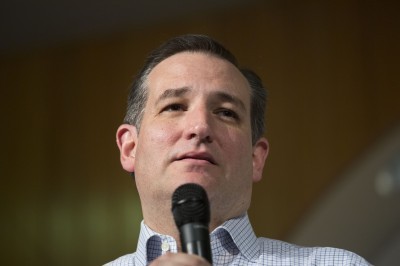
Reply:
x=165, y=246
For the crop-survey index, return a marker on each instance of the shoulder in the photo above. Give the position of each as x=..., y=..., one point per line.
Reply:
x=275, y=250
x=127, y=260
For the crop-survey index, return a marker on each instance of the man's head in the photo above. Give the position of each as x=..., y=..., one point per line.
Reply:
x=196, y=126
x=194, y=43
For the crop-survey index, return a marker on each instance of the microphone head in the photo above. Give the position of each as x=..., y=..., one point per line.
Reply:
x=190, y=205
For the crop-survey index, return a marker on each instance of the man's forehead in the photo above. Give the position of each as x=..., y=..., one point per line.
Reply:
x=183, y=67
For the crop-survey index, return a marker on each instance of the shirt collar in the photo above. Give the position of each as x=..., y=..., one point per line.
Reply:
x=234, y=234
x=242, y=235
x=152, y=244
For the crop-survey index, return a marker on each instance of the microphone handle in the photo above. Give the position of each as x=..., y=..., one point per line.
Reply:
x=195, y=239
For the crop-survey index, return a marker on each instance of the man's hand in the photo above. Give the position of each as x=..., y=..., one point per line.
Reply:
x=177, y=259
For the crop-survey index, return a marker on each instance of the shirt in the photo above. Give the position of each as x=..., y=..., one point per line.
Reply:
x=235, y=243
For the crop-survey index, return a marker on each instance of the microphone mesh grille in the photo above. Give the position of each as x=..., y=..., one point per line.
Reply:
x=190, y=205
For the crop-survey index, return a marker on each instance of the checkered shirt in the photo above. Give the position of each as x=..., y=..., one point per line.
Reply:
x=234, y=243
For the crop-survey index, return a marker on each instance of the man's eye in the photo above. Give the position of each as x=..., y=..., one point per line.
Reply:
x=226, y=113
x=174, y=108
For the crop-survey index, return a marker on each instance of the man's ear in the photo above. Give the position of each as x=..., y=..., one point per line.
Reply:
x=260, y=154
x=127, y=141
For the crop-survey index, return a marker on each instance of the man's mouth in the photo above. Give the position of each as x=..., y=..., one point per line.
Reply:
x=197, y=156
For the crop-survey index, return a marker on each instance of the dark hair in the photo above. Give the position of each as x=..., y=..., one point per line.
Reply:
x=194, y=43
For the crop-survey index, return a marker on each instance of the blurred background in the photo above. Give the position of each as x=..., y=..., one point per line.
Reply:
x=333, y=120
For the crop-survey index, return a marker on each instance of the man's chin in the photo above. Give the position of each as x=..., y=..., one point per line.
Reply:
x=195, y=178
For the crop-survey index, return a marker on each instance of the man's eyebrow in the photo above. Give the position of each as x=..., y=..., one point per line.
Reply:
x=171, y=93
x=226, y=97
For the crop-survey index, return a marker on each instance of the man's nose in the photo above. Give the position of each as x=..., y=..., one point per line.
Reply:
x=198, y=125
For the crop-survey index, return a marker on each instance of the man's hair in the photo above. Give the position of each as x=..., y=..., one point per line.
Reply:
x=194, y=43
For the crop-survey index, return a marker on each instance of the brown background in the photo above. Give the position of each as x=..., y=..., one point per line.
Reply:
x=331, y=68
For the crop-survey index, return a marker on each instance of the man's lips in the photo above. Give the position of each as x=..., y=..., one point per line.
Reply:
x=203, y=156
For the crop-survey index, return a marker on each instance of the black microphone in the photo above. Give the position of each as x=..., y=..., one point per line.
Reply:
x=191, y=212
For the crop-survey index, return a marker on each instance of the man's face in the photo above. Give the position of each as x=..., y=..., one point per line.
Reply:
x=196, y=129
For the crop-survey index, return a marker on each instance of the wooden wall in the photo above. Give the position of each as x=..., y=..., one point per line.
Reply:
x=331, y=68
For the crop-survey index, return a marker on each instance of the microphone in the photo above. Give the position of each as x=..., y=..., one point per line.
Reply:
x=191, y=213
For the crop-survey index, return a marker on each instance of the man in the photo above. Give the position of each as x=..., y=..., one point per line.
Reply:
x=195, y=117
